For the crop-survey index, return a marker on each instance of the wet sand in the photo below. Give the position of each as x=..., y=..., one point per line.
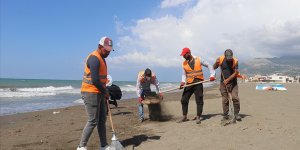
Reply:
x=270, y=120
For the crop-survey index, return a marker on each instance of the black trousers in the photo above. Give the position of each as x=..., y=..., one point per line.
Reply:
x=187, y=93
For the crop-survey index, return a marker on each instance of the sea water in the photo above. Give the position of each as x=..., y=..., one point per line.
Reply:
x=27, y=95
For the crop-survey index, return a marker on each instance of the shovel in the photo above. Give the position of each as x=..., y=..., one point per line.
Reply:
x=231, y=108
x=185, y=86
x=115, y=144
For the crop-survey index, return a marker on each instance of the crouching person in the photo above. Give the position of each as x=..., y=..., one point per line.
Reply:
x=144, y=80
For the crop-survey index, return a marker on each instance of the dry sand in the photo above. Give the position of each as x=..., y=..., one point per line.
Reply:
x=270, y=120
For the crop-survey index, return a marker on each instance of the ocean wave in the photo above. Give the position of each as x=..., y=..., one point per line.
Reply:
x=128, y=88
x=24, y=94
x=78, y=101
x=45, y=89
x=37, y=91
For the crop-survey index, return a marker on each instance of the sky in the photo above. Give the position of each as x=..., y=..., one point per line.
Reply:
x=51, y=39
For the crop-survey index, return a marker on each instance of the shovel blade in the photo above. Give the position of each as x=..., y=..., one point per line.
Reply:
x=116, y=145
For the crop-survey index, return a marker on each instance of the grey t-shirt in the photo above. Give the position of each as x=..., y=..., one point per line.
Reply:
x=94, y=64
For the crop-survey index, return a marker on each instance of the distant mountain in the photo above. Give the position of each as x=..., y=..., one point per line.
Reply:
x=287, y=65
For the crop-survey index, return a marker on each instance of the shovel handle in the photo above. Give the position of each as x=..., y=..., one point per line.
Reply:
x=110, y=118
x=186, y=86
x=229, y=95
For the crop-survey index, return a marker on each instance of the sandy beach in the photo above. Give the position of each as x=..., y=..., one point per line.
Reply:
x=269, y=121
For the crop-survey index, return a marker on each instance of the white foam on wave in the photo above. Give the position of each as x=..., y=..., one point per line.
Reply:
x=128, y=88
x=79, y=101
x=43, y=89
x=24, y=94
x=39, y=91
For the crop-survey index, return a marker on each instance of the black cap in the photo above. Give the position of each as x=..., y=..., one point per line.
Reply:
x=228, y=54
x=148, y=72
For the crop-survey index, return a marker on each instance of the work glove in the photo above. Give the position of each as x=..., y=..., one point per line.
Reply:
x=212, y=78
x=140, y=100
x=161, y=96
x=181, y=85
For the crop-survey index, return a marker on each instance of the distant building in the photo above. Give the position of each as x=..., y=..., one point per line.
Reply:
x=279, y=78
x=275, y=78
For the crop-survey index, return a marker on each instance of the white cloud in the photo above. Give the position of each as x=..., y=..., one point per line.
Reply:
x=251, y=28
x=172, y=3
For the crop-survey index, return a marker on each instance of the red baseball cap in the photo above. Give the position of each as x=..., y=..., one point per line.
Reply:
x=184, y=51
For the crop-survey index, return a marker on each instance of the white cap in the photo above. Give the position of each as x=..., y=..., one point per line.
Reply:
x=107, y=43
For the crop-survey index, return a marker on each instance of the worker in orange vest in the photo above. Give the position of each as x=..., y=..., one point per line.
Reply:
x=94, y=93
x=192, y=73
x=229, y=71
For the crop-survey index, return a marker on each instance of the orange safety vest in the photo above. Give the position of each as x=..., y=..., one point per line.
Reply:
x=233, y=65
x=193, y=74
x=87, y=85
x=142, y=79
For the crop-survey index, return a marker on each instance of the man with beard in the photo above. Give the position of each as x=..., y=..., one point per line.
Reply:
x=94, y=93
x=192, y=73
x=229, y=71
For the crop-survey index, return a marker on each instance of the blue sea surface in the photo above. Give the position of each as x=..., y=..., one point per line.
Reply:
x=27, y=95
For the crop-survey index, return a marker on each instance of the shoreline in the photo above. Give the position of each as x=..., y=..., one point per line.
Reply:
x=76, y=103
x=53, y=128
x=267, y=117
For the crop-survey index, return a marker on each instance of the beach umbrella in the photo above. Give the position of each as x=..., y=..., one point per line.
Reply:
x=115, y=144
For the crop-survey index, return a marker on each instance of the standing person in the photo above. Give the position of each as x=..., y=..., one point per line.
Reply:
x=94, y=93
x=229, y=71
x=192, y=73
x=144, y=80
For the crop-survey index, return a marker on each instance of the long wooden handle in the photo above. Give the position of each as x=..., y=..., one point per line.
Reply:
x=185, y=86
x=110, y=118
x=229, y=95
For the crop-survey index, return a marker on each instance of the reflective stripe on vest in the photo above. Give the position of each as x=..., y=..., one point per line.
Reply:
x=89, y=76
x=87, y=84
x=193, y=74
x=85, y=80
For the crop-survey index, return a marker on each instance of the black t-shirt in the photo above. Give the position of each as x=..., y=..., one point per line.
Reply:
x=227, y=70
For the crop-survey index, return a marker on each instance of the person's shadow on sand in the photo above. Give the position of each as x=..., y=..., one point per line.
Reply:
x=244, y=115
x=122, y=113
x=208, y=116
x=138, y=139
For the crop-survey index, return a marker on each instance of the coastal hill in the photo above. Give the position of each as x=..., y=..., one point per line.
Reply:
x=287, y=65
